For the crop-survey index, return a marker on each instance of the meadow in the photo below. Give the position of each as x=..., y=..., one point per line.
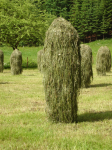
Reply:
x=29, y=54
x=23, y=121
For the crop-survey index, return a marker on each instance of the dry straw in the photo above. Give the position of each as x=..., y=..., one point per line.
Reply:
x=39, y=60
x=103, y=62
x=61, y=70
x=1, y=61
x=86, y=65
x=16, y=62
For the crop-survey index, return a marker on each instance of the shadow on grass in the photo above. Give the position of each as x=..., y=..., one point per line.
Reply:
x=4, y=82
x=30, y=75
x=94, y=116
x=100, y=85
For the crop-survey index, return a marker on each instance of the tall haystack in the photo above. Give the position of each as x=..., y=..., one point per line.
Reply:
x=61, y=70
x=86, y=65
x=40, y=59
x=1, y=61
x=103, y=62
x=16, y=62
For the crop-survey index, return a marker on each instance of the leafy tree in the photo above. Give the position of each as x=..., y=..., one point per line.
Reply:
x=21, y=21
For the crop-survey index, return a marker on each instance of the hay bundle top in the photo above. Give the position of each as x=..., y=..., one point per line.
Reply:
x=63, y=33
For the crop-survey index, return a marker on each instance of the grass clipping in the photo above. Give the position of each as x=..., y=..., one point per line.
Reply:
x=16, y=62
x=1, y=61
x=61, y=71
x=86, y=65
x=103, y=62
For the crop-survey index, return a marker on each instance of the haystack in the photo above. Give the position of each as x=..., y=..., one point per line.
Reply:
x=1, y=61
x=86, y=65
x=40, y=59
x=61, y=70
x=103, y=62
x=16, y=62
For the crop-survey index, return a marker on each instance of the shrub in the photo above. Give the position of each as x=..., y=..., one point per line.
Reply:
x=61, y=69
x=103, y=62
x=86, y=65
x=16, y=62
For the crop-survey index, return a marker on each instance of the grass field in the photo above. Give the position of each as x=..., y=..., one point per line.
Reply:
x=23, y=121
x=31, y=53
x=27, y=52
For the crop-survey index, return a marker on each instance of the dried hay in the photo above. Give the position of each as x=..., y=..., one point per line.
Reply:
x=103, y=62
x=1, y=61
x=16, y=62
x=61, y=70
x=40, y=60
x=86, y=65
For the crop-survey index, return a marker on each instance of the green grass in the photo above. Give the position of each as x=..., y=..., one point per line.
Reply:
x=30, y=52
x=24, y=124
x=97, y=44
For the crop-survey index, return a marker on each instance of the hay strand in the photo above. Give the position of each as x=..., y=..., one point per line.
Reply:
x=103, y=62
x=16, y=62
x=40, y=59
x=61, y=70
x=86, y=65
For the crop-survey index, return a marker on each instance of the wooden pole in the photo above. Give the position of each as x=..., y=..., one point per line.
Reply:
x=27, y=62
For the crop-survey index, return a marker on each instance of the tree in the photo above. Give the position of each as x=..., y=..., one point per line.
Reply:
x=75, y=17
x=103, y=18
x=85, y=18
x=59, y=7
x=96, y=18
x=21, y=21
x=108, y=14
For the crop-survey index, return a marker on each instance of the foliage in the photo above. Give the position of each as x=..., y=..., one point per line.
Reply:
x=59, y=8
x=1, y=61
x=25, y=22
x=16, y=62
x=86, y=65
x=61, y=71
x=22, y=22
x=92, y=18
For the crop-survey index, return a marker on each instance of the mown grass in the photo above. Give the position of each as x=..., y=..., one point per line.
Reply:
x=24, y=124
